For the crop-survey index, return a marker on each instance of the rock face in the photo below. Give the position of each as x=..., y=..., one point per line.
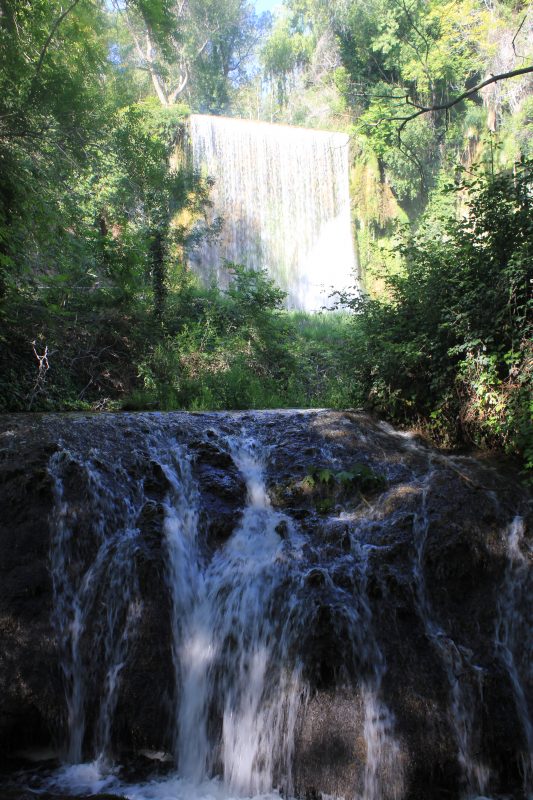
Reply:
x=386, y=586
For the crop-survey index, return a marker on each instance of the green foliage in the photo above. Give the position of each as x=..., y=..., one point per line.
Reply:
x=96, y=209
x=451, y=344
x=285, y=52
x=239, y=349
x=326, y=487
x=194, y=51
x=98, y=206
x=222, y=350
x=376, y=62
x=359, y=477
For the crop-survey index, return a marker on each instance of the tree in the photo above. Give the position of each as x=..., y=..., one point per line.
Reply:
x=450, y=343
x=52, y=61
x=285, y=53
x=194, y=48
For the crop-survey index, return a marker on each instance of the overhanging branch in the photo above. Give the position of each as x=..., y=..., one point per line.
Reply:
x=48, y=42
x=464, y=96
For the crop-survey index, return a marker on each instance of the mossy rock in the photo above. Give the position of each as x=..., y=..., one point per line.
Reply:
x=325, y=487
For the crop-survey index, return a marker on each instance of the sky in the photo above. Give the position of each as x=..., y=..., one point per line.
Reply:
x=266, y=5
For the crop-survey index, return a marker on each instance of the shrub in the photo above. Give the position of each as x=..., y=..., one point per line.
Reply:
x=451, y=342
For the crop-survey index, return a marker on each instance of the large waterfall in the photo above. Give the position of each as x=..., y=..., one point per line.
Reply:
x=282, y=194
x=260, y=605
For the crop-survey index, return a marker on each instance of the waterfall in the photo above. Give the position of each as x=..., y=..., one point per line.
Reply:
x=513, y=628
x=455, y=664
x=383, y=777
x=252, y=631
x=282, y=194
x=95, y=601
x=232, y=650
x=384, y=774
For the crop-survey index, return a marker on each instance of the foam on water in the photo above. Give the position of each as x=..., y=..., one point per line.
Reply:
x=95, y=777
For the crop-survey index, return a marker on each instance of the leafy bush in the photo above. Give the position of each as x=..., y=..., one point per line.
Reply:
x=451, y=343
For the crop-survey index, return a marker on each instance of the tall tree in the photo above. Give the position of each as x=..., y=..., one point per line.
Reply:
x=193, y=49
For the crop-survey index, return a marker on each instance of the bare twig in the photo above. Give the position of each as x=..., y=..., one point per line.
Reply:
x=43, y=368
x=516, y=34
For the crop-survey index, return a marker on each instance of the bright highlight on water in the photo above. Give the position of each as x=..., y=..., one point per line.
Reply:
x=283, y=195
x=275, y=639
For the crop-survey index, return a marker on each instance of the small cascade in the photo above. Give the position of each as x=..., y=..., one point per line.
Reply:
x=230, y=641
x=232, y=649
x=282, y=194
x=290, y=645
x=186, y=585
x=513, y=629
x=95, y=601
x=383, y=777
x=463, y=705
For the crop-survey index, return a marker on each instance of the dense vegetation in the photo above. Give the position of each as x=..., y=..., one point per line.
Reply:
x=450, y=345
x=98, y=208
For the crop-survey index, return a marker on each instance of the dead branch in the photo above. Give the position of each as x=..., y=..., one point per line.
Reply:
x=516, y=34
x=42, y=369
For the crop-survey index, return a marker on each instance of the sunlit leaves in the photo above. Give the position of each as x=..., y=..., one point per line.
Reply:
x=285, y=52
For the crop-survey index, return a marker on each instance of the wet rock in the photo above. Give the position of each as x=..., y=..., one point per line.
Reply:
x=222, y=489
x=330, y=750
x=315, y=578
x=299, y=513
x=29, y=677
x=154, y=480
x=372, y=581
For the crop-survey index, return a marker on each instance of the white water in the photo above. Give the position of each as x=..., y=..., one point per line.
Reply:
x=230, y=641
x=383, y=777
x=513, y=629
x=283, y=195
x=463, y=704
x=231, y=651
x=102, y=596
x=94, y=778
x=238, y=617
x=235, y=618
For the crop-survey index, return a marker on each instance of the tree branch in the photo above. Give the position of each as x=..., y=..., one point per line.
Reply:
x=146, y=57
x=180, y=87
x=516, y=34
x=156, y=77
x=184, y=77
x=416, y=30
x=464, y=96
x=47, y=44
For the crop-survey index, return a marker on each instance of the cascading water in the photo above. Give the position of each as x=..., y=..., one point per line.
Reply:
x=283, y=196
x=384, y=774
x=186, y=584
x=513, y=628
x=462, y=707
x=231, y=650
x=98, y=600
x=283, y=622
